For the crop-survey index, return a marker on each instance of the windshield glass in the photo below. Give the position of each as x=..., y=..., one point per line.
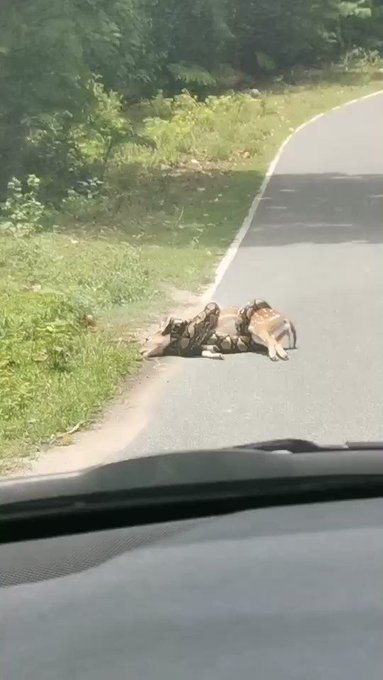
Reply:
x=191, y=234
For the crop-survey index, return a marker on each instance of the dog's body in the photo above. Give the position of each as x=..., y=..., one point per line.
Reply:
x=215, y=332
x=267, y=327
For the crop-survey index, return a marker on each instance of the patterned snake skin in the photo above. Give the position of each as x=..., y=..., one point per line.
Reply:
x=190, y=338
x=245, y=314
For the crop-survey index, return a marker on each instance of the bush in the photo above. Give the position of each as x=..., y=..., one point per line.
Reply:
x=65, y=150
x=23, y=213
x=205, y=130
x=86, y=200
x=362, y=59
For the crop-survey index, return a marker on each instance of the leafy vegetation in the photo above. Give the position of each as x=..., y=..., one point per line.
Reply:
x=130, y=155
x=68, y=69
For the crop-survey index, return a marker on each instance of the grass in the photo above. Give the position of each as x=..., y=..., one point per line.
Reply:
x=45, y=377
x=72, y=300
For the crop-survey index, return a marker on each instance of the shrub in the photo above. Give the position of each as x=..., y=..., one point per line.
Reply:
x=206, y=130
x=23, y=213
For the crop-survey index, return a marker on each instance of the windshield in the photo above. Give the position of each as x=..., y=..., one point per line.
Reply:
x=182, y=182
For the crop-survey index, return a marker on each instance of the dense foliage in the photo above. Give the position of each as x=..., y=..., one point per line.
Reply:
x=68, y=67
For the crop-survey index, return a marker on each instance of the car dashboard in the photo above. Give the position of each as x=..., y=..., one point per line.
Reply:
x=287, y=592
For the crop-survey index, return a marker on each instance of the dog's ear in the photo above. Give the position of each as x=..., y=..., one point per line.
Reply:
x=167, y=326
x=173, y=326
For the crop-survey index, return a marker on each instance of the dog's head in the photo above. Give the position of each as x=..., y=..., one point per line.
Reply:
x=164, y=340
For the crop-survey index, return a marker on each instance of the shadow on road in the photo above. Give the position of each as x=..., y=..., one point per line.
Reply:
x=319, y=209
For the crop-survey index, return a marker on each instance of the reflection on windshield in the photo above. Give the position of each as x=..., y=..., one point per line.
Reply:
x=144, y=233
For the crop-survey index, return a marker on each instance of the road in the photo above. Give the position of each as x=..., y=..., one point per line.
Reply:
x=315, y=251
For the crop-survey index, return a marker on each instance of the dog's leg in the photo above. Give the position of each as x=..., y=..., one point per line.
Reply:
x=287, y=330
x=272, y=348
x=211, y=352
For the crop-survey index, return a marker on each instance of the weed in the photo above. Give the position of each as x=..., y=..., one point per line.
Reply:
x=23, y=212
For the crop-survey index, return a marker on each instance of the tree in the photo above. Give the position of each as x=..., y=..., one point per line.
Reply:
x=60, y=59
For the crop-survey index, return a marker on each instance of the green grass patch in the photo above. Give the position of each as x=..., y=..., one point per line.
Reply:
x=166, y=216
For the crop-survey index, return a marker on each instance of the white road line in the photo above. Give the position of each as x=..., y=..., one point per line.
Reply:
x=235, y=245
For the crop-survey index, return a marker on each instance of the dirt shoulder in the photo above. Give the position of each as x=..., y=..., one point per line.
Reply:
x=124, y=418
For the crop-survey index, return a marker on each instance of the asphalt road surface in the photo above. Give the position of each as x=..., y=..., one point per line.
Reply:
x=315, y=251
